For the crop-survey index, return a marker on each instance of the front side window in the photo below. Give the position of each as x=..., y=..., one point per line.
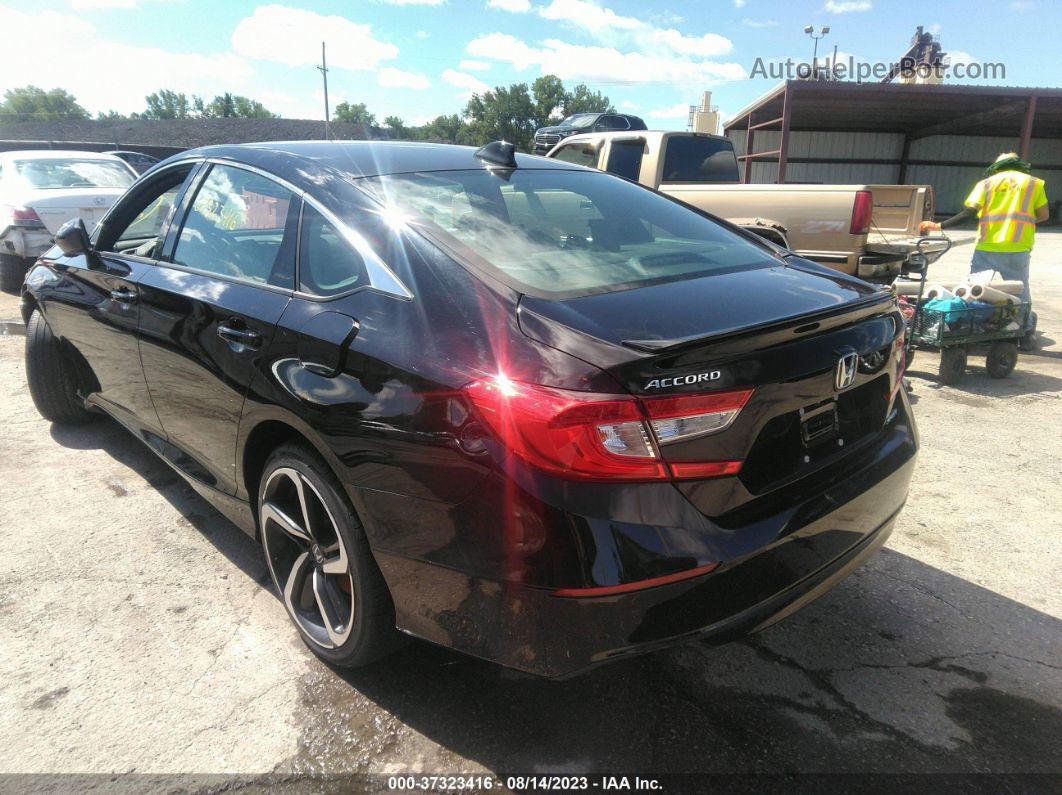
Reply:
x=625, y=159
x=563, y=233
x=241, y=225
x=328, y=264
x=55, y=172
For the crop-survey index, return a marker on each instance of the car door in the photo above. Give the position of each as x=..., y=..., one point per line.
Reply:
x=95, y=303
x=209, y=308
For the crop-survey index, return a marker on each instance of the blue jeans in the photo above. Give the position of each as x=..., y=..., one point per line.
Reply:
x=1009, y=265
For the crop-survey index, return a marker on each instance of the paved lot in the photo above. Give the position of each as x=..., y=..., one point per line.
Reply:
x=137, y=632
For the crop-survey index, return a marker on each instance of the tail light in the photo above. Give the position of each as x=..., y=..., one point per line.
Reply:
x=19, y=216
x=862, y=210
x=587, y=436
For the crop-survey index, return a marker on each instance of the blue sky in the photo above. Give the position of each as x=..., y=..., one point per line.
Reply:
x=419, y=58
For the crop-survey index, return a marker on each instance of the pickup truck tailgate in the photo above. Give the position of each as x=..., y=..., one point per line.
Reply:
x=899, y=209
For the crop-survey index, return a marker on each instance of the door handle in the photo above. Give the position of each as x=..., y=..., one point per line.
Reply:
x=123, y=295
x=240, y=336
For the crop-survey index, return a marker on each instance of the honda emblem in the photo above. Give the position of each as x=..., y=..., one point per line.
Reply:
x=846, y=371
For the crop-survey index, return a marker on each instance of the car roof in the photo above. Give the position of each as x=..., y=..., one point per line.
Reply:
x=355, y=159
x=48, y=154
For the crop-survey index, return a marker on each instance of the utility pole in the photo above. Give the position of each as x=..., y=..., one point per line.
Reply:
x=324, y=74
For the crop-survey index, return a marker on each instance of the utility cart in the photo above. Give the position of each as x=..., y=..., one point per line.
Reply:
x=992, y=331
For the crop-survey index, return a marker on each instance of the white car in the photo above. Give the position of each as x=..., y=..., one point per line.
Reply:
x=41, y=190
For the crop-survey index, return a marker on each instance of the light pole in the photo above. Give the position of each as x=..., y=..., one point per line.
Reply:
x=324, y=74
x=810, y=30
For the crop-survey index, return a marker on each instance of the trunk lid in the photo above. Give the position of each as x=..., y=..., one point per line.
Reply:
x=781, y=330
x=57, y=206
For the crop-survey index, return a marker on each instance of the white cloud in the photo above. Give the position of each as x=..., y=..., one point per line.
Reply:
x=934, y=28
x=473, y=66
x=390, y=77
x=846, y=6
x=628, y=105
x=412, y=2
x=588, y=15
x=421, y=34
x=293, y=37
x=680, y=110
x=759, y=23
x=959, y=56
x=84, y=4
x=121, y=74
x=516, y=6
x=739, y=3
x=601, y=64
x=706, y=46
x=470, y=84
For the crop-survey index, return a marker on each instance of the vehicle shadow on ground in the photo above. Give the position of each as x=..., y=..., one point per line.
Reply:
x=107, y=435
x=902, y=667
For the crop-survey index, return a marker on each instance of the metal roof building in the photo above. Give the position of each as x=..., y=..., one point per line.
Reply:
x=894, y=133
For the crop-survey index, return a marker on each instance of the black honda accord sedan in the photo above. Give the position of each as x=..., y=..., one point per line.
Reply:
x=526, y=410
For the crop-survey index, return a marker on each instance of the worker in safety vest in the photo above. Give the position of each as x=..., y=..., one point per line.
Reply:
x=1008, y=203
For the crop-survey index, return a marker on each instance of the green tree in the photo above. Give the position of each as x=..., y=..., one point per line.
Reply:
x=582, y=100
x=502, y=114
x=444, y=129
x=166, y=104
x=550, y=99
x=113, y=115
x=357, y=114
x=30, y=103
x=396, y=126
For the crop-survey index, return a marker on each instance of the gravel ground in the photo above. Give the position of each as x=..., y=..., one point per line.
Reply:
x=138, y=632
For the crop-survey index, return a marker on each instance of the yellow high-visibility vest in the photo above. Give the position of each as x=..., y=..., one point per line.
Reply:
x=1007, y=204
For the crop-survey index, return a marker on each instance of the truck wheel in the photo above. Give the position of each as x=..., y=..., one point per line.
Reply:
x=51, y=374
x=12, y=273
x=952, y=364
x=1002, y=358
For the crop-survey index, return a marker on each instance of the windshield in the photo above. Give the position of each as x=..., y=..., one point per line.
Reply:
x=579, y=120
x=73, y=173
x=560, y=233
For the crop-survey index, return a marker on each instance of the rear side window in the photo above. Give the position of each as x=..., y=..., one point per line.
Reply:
x=328, y=264
x=696, y=159
x=625, y=159
x=241, y=225
x=636, y=123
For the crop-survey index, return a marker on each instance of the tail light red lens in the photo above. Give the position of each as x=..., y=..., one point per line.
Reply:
x=18, y=216
x=862, y=210
x=588, y=436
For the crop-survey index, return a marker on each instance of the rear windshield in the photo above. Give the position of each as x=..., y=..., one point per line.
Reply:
x=73, y=173
x=696, y=159
x=562, y=233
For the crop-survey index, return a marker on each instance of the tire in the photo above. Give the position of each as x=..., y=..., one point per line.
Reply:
x=327, y=579
x=952, y=364
x=1002, y=358
x=51, y=374
x=12, y=273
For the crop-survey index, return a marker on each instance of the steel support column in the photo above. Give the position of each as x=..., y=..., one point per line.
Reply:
x=905, y=155
x=749, y=133
x=783, y=142
x=1026, y=128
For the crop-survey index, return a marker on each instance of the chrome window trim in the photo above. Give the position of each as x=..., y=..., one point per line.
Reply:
x=381, y=278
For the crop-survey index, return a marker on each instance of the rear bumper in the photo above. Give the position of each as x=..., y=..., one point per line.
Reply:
x=781, y=562
x=25, y=243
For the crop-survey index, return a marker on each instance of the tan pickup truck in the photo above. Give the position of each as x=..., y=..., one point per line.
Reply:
x=867, y=230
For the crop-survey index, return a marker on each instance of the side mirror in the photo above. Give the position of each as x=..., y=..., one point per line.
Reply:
x=73, y=238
